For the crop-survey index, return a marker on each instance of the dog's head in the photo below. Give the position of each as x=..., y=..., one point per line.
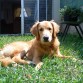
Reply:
x=45, y=31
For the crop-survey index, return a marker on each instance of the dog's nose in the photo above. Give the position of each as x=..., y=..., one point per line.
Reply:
x=45, y=39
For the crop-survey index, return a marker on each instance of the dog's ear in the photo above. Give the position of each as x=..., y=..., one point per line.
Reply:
x=55, y=28
x=34, y=30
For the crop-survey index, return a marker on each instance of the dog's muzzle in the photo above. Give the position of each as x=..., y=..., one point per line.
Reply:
x=46, y=39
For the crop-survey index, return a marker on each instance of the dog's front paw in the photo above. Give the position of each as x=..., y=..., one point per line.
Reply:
x=38, y=66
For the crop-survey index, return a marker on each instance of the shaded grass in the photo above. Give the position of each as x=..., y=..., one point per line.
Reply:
x=54, y=70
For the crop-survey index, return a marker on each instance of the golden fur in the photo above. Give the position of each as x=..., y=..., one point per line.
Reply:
x=44, y=43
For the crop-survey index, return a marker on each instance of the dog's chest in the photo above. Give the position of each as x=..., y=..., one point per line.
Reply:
x=47, y=49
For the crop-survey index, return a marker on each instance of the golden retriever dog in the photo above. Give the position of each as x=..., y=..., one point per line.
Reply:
x=44, y=43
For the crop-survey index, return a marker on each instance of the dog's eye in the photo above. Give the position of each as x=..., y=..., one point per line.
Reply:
x=41, y=29
x=49, y=28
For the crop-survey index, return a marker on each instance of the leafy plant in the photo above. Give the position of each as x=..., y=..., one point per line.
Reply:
x=70, y=13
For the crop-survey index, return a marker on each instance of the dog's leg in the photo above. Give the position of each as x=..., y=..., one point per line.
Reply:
x=19, y=59
x=58, y=54
x=38, y=66
x=6, y=61
x=37, y=61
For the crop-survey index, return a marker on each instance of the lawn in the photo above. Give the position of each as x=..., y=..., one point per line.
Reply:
x=54, y=70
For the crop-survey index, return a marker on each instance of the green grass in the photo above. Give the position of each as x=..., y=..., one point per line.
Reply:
x=54, y=70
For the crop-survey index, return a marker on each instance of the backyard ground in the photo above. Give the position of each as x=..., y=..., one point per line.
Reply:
x=54, y=70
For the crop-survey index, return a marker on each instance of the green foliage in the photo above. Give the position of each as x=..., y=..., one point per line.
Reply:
x=54, y=70
x=70, y=12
